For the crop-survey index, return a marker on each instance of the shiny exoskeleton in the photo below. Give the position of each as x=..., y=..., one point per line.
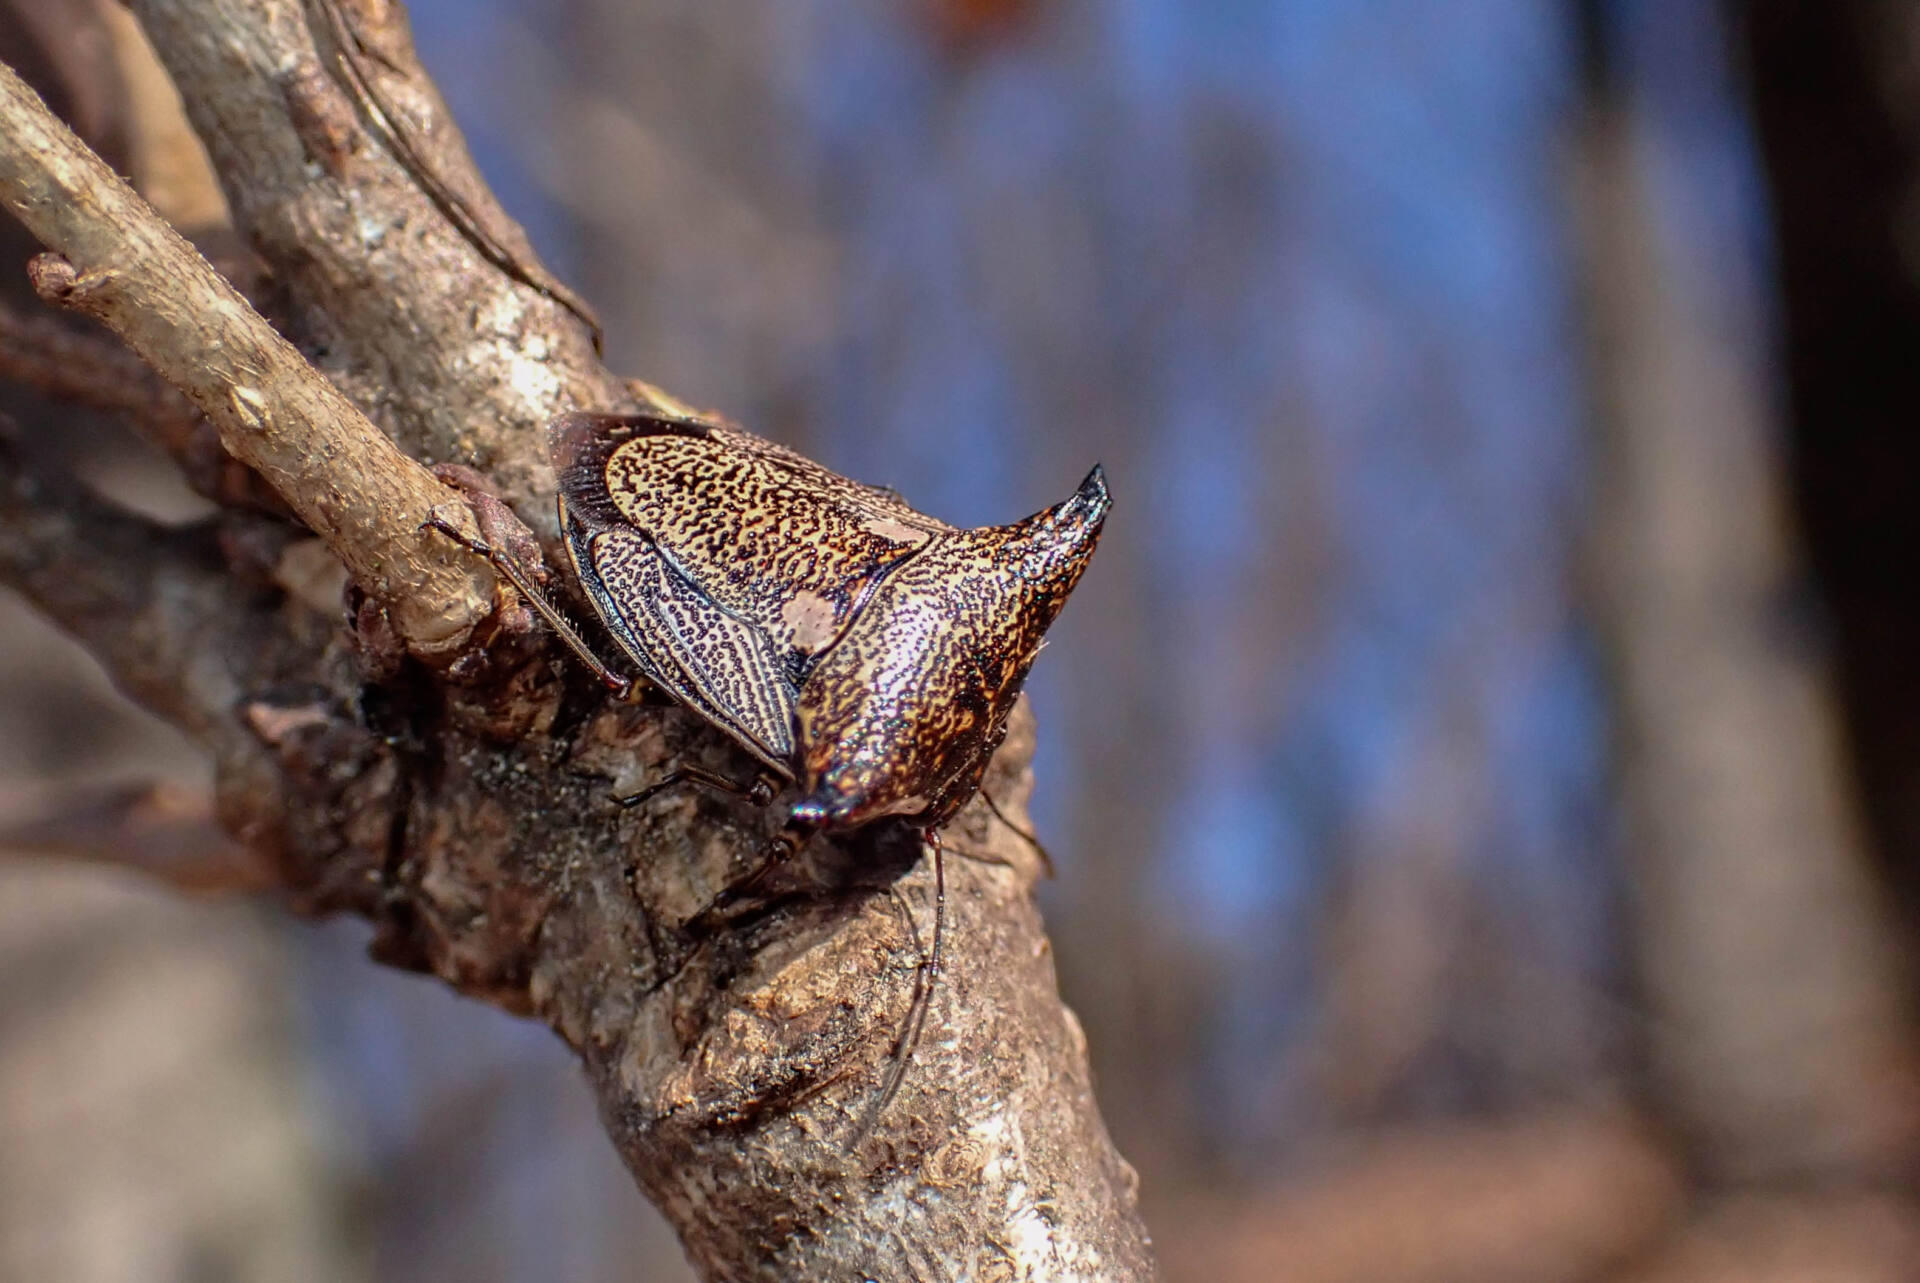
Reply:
x=853, y=646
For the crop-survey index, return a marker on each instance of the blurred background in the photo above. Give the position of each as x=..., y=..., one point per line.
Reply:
x=1491, y=721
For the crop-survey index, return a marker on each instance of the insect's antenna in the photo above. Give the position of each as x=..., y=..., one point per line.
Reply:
x=1046, y=861
x=916, y=1022
x=516, y=574
x=760, y=792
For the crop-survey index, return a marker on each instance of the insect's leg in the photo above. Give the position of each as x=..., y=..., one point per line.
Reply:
x=516, y=574
x=927, y=977
x=1046, y=861
x=701, y=927
x=760, y=792
x=785, y=845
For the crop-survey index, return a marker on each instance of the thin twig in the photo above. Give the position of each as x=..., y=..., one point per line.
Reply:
x=93, y=370
x=119, y=262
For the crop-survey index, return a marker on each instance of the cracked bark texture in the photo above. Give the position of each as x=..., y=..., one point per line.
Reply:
x=462, y=802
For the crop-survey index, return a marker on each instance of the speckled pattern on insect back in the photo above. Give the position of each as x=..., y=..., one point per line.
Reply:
x=906, y=710
x=848, y=642
x=771, y=536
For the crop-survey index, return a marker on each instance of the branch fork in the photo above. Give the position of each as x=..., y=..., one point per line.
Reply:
x=462, y=804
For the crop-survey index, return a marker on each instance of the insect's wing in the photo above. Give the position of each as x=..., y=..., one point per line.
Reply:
x=582, y=444
x=772, y=538
x=873, y=504
x=722, y=667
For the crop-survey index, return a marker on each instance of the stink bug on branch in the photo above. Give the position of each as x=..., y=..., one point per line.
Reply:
x=854, y=647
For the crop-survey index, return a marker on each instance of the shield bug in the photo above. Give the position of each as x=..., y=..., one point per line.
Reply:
x=856, y=648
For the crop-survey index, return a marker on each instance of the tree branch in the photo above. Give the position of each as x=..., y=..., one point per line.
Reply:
x=374, y=267
x=466, y=811
x=119, y=262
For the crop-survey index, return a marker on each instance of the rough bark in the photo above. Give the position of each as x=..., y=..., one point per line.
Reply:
x=464, y=806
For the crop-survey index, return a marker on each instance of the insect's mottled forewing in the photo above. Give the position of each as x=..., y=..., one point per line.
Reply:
x=772, y=538
x=723, y=667
x=724, y=565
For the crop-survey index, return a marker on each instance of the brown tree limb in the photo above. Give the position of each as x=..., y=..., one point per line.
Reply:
x=467, y=813
x=166, y=831
x=375, y=271
x=372, y=57
x=119, y=262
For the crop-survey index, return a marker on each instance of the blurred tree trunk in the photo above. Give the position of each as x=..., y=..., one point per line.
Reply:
x=1777, y=1037
x=1835, y=87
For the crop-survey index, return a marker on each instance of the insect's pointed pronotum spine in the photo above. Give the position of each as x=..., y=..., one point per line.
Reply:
x=902, y=715
x=1035, y=563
